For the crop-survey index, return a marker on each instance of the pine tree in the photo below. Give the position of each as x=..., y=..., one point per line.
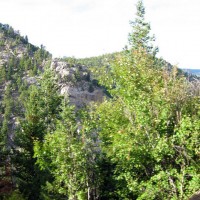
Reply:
x=2, y=74
x=41, y=111
x=140, y=37
x=7, y=106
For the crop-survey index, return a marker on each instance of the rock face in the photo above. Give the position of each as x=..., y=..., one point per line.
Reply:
x=75, y=82
x=20, y=63
x=196, y=196
x=81, y=98
x=10, y=48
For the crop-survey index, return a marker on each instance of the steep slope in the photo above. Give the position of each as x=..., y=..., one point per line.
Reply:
x=20, y=63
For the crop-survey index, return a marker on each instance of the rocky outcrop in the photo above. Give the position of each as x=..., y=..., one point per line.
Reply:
x=75, y=82
x=196, y=196
x=10, y=48
x=81, y=98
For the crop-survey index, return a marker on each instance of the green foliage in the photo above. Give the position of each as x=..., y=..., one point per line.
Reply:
x=7, y=105
x=2, y=75
x=65, y=161
x=72, y=160
x=97, y=61
x=15, y=195
x=144, y=129
x=1, y=43
x=142, y=143
x=141, y=127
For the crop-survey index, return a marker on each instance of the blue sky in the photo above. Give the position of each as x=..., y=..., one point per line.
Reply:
x=84, y=28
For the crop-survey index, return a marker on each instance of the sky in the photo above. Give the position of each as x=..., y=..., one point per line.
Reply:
x=85, y=28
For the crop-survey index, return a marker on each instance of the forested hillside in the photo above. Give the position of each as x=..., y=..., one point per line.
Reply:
x=20, y=64
x=119, y=126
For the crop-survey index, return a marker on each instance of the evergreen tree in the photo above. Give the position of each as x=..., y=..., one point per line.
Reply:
x=28, y=175
x=7, y=105
x=140, y=37
x=41, y=110
x=26, y=39
x=2, y=74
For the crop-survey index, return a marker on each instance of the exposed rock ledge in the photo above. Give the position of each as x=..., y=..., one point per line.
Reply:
x=74, y=81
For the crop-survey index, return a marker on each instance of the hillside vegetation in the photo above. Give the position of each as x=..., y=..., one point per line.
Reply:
x=119, y=126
